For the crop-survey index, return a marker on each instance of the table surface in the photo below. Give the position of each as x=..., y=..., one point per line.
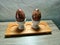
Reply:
x=52, y=39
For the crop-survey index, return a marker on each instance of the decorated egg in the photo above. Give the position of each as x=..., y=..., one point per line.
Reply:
x=20, y=15
x=36, y=15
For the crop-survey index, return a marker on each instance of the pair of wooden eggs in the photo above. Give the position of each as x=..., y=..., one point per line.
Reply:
x=20, y=15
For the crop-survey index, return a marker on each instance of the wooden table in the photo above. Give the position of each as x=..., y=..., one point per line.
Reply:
x=53, y=39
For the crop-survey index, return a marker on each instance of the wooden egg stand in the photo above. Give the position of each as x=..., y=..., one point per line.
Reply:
x=12, y=27
x=13, y=31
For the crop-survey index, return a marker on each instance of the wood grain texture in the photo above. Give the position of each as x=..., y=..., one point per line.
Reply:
x=12, y=29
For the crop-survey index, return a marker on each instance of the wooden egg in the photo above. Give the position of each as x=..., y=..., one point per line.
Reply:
x=20, y=15
x=36, y=15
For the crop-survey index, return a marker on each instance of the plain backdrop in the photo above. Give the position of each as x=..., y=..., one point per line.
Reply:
x=50, y=9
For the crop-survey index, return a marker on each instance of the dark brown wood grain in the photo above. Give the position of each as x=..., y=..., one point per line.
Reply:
x=36, y=15
x=20, y=15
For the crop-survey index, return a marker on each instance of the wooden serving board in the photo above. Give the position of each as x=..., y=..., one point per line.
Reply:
x=12, y=27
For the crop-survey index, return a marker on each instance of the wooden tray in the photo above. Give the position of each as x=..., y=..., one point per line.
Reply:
x=12, y=27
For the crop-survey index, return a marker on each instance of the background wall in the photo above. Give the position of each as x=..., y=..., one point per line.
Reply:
x=50, y=9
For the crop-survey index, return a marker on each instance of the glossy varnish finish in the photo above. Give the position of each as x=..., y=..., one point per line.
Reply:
x=20, y=15
x=36, y=15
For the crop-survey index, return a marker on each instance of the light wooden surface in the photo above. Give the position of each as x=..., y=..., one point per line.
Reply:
x=12, y=29
x=53, y=39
